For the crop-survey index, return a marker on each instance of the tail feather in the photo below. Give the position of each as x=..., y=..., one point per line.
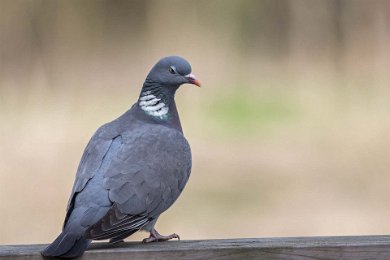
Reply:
x=67, y=245
x=78, y=249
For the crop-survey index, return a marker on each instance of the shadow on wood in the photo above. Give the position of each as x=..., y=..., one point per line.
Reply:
x=353, y=247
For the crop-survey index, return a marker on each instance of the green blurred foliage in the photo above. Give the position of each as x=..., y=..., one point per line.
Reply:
x=245, y=113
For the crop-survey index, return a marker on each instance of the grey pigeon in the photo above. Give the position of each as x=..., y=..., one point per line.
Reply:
x=133, y=168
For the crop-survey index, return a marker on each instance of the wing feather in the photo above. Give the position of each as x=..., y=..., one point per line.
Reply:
x=115, y=223
x=91, y=160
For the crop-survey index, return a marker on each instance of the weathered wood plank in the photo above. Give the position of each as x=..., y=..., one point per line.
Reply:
x=353, y=247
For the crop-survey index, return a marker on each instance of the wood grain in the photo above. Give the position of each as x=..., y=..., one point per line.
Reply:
x=351, y=247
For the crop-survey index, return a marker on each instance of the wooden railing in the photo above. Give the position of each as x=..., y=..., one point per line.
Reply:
x=352, y=247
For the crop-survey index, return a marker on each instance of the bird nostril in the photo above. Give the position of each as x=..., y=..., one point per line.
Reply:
x=190, y=77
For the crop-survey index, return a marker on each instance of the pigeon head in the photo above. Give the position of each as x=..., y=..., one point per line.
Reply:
x=172, y=71
x=157, y=94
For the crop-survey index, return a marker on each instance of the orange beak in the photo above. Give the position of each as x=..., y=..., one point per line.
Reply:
x=193, y=80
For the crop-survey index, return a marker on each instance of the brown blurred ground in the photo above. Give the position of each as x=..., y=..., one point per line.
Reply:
x=290, y=133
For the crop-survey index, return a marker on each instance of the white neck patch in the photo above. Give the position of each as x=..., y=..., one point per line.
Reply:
x=152, y=105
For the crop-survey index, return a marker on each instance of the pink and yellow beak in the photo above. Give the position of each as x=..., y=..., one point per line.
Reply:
x=193, y=80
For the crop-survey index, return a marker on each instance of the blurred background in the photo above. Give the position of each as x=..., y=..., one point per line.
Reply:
x=290, y=132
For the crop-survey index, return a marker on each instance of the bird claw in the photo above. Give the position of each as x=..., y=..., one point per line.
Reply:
x=156, y=237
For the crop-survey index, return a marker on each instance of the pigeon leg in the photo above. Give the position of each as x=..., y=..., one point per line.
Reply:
x=156, y=237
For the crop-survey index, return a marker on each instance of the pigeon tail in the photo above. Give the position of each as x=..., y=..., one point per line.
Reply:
x=67, y=245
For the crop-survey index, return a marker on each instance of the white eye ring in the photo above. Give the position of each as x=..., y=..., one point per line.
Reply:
x=172, y=70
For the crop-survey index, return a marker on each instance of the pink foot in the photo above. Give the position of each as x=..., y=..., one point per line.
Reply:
x=156, y=237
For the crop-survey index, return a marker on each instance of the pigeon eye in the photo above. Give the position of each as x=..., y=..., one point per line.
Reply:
x=172, y=70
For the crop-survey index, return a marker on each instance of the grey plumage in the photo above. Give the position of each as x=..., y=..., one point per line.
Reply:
x=133, y=168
